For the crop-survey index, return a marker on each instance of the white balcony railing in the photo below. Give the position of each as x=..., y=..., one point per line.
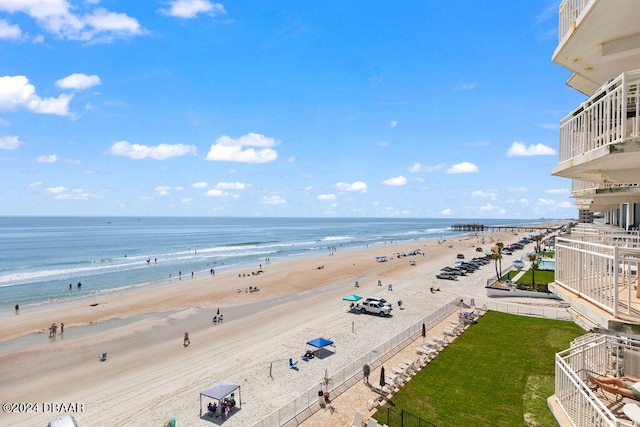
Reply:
x=570, y=10
x=606, y=275
x=578, y=186
x=611, y=116
x=597, y=355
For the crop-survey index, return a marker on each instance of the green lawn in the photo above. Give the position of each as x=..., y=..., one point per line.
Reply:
x=499, y=372
x=542, y=276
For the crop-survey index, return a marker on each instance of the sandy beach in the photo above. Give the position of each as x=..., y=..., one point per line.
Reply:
x=149, y=376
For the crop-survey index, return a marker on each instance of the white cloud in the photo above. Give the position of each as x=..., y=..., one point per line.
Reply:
x=17, y=93
x=186, y=200
x=464, y=167
x=162, y=190
x=487, y=194
x=291, y=159
x=8, y=31
x=94, y=23
x=446, y=211
x=201, y=184
x=272, y=200
x=308, y=188
x=393, y=124
x=56, y=190
x=215, y=192
x=487, y=208
x=465, y=86
x=518, y=149
x=419, y=167
x=557, y=191
x=356, y=186
x=62, y=193
x=191, y=8
x=565, y=204
x=76, y=194
x=398, y=181
x=9, y=142
x=326, y=197
x=231, y=150
x=517, y=189
x=35, y=184
x=51, y=158
x=78, y=81
x=232, y=186
x=158, y=152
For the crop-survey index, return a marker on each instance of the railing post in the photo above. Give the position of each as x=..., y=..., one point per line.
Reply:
x=615, y=282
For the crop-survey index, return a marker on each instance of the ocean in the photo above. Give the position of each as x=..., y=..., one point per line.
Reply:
x=42, y=259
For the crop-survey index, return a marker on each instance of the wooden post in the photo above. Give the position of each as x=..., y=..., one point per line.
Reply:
x=270, y=369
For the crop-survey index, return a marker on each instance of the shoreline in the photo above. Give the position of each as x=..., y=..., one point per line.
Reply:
x=220, y=269
x=261, y=331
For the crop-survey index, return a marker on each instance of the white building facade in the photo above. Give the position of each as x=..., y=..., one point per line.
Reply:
x=599, y=150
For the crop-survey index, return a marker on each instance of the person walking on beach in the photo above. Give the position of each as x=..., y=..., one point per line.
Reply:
x=17, y=309
x=186, y=339
x=61, y=328
x=366, y=370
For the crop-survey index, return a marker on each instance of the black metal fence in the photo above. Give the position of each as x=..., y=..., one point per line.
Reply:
x=405, y=419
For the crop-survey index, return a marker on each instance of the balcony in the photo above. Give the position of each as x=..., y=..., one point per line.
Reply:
x=600, y=140
x=600, y=269
x=599, y=355
x=599, y=197
x=598, y=40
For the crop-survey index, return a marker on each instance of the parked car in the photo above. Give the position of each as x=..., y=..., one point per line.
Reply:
x=374, y=307
x=460, y=256
x=479, y=249
x=378, y=299
x=447, y=276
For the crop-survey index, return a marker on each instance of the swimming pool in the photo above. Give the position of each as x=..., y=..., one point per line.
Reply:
x=547, y=265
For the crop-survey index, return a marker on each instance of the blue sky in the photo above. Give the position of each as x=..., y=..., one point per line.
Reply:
x=425, y=108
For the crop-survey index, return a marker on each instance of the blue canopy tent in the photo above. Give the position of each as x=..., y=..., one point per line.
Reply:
x=352, y=299
x=320, y=343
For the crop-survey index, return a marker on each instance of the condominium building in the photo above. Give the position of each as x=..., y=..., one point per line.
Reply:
x=599, y=150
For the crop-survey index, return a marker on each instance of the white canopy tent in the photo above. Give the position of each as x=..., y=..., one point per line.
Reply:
x=219, y=391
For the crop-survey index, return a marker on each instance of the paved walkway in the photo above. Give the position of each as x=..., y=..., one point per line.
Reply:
x=359, y=396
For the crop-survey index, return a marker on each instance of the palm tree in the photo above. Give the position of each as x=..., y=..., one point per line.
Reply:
x=538, y=240
x=495, y=257
x=534, y=258
x=500, y=246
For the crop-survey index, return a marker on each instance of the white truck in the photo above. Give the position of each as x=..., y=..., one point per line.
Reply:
x=374, y=307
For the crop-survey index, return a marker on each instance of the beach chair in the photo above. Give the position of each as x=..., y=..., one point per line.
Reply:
x=373, y=404
x=426, y=350
x=292, y=364
x=358, y=419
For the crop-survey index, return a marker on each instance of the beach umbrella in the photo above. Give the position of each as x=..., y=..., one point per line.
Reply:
x=218, y=311
x=352, y=298
x=382, y=382
x=424, y=332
